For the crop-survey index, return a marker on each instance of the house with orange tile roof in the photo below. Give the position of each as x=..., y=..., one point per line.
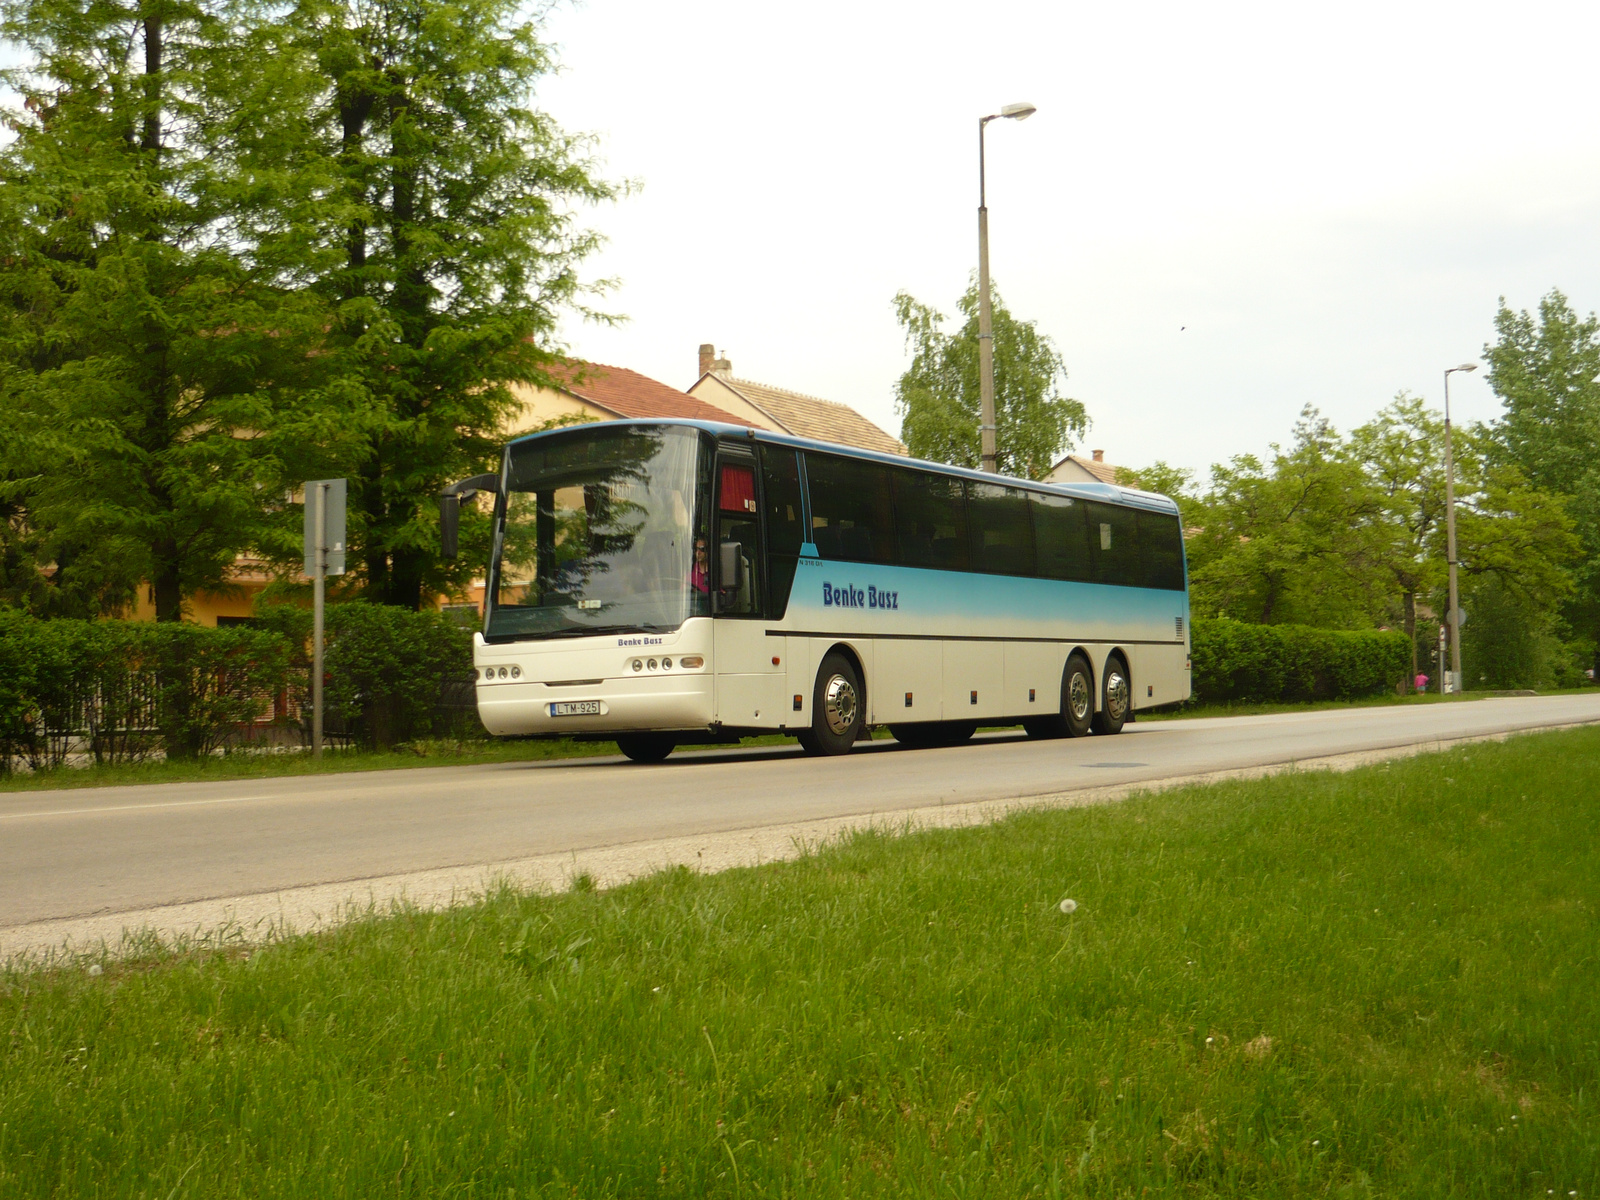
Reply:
x=783, y=411
x=1076, y=469
x=585, y=391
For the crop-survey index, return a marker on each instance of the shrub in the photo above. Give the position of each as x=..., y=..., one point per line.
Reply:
x=394, y=675
x=119, y=690
x=1265, y=663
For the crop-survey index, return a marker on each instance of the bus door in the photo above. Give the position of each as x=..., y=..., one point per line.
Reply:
x=750, y=685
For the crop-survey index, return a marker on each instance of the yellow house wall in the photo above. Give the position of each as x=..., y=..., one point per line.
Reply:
x=712, y=390
x=542, y=404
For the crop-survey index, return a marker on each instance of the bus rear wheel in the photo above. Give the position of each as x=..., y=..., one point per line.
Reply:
x=836, y=708
x=1115, y=699
x=646, y=747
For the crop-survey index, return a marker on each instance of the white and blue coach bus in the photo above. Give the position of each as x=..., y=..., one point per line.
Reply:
x=667, y=583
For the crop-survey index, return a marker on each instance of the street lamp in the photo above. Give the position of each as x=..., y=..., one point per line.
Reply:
x=1453, y=621
x=986, y=429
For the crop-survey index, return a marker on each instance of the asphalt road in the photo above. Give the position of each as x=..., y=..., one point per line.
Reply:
x=111, y=850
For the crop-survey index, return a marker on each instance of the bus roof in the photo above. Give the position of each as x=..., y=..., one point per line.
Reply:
x=1086, y=491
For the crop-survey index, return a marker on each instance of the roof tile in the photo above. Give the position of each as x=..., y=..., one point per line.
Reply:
x=808, y=416
x=630, y=394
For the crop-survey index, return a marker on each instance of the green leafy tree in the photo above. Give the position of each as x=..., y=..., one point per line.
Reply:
x=1286, y=540
x=445, y=245
x=1401, y=452
x=1176, y=483
x=1546, y=371
x=138, y=347
x=938, y=397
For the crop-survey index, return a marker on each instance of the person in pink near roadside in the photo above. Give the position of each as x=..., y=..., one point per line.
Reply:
x=1422, y=683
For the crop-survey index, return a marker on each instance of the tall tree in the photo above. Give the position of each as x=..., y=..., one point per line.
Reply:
x=1401, y=453
x=446, y=246
x=135, y=342
x=1287, y=540
x=938, y=397
x=1546, y=371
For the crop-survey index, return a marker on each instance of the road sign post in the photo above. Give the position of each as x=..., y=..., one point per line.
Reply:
x=324, y=556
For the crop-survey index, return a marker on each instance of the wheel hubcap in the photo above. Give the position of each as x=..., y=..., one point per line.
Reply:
x=1078, y=696
x=839, y=704
x=1116, y=697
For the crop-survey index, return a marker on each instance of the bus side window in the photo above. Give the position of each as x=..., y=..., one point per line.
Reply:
x=780, y=480
x=1161, y=547
x=738, y=538
x=1061, y=535
x=1002, y=534
x=851, y=515
x=930, y=521
x=1114, y=545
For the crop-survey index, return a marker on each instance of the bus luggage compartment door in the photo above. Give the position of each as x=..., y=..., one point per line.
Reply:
x=754, y=691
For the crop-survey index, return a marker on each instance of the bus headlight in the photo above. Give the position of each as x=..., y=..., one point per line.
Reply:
x=692, y=662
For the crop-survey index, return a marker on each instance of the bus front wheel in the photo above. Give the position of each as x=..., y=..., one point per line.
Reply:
x=836, y=708
x=646, y=747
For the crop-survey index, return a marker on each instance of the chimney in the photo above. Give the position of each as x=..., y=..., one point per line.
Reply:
x=1099, y=455
x=722, y=365
x=707, y=352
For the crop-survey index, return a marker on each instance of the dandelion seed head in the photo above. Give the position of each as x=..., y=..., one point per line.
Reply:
x=1209, y=1040
x=1069, y=906
x=95, y=969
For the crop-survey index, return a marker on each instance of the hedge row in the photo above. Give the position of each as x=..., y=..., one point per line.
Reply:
x=121, y=691
x=1294, y=663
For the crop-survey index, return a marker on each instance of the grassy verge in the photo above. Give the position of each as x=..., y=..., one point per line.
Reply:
x=1190, y=711
x=1378, y=983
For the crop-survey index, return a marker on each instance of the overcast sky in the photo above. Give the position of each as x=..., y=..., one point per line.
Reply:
x=1220, y=213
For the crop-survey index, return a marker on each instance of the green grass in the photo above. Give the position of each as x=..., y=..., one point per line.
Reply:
x=1385, y=982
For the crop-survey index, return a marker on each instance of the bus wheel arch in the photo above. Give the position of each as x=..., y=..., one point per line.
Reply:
x=1115, y=693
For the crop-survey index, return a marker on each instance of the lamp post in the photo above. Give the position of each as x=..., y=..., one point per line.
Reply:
x=1453, y=619
x=986, y=428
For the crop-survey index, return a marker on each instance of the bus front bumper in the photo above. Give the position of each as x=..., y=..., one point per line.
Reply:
x=625, y=705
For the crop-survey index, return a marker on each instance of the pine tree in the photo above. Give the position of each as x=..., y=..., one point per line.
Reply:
x=144, y=359
x=444, y=244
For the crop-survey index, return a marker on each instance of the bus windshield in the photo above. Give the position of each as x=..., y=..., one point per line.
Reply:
x=598, y=535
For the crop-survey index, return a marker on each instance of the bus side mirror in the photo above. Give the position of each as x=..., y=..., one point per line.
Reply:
x=449, y=526
x=450, y=509
x=732, y=566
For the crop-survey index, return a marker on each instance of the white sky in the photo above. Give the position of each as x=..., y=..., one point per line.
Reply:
x=1326, y=201
x=1220, y=213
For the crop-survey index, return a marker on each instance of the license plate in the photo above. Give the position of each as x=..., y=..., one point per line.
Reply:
x=575, y=708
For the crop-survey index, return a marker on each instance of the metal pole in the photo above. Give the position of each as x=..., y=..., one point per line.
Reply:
x=1442, y=667
x=986, y=427
x=321, y=526
x=1453, y=618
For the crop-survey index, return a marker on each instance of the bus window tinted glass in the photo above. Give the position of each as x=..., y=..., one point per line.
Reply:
x=781, y=487
x=851, y=515
x=1002, y=530
x=1114, y=543
x=1061, y=537
x=929, y=521
x=1161, y=547
x=781, y=477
